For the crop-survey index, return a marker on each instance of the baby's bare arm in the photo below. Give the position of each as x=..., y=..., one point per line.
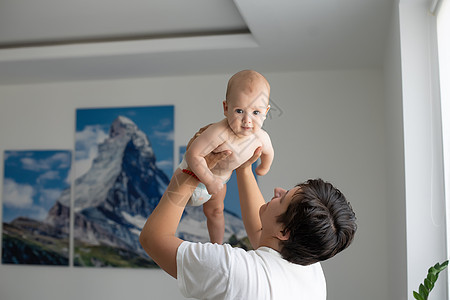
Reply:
x=266, y=156
x=210, y=139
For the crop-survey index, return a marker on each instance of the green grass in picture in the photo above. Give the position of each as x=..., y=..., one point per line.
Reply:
x=23, y=250
x=104, y=256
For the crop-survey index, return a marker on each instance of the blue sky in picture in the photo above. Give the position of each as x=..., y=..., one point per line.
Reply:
x=92, y=127
x=33, y=181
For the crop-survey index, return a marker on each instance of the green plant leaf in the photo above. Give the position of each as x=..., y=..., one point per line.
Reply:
x=442, y=266
x=423, y=291
x=432, y=277
x=417, y=296
x=428, y=284
x=430, y=280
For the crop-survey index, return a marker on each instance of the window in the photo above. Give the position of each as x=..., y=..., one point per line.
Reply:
x=443, y=41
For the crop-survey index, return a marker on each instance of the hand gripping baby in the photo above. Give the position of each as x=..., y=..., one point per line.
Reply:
x=245, y=109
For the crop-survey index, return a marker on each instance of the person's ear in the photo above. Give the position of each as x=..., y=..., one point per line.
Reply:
x=283, y=235
x=265, y=114
x=225, y=108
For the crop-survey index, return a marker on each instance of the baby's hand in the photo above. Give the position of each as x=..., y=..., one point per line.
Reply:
x=261, y=171
x=215, y=186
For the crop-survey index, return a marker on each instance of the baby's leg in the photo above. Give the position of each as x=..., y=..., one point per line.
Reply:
x=215, y=220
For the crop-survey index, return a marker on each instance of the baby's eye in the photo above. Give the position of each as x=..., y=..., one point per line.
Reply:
x=239, y=111
x=256, y=112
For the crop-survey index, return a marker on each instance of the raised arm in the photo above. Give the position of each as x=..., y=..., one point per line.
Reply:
x=267, y=154
x=158, y=235
x=251, y=199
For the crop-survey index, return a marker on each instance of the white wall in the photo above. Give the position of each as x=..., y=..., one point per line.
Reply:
x=332, y=125
x=395, y=175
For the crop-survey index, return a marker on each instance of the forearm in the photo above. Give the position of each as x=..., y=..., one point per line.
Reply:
x=266, y=163
x=251, y=201
x=267, y=154
x=158, y=235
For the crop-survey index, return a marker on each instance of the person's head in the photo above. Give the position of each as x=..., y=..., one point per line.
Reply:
x=315, y=221
x=247, y=102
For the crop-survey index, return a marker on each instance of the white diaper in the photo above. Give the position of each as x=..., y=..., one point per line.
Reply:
x=200, y=196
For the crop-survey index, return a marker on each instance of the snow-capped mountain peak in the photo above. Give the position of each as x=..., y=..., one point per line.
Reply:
x=122, y=125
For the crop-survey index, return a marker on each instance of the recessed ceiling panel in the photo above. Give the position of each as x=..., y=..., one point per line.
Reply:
x=43, y=22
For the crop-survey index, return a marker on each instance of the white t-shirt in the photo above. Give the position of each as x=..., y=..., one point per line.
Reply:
x=212, y=271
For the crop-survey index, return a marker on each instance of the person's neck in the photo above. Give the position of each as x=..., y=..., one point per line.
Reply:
x=270, y=242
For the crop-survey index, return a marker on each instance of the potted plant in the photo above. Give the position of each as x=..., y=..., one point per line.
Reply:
x=428, y=284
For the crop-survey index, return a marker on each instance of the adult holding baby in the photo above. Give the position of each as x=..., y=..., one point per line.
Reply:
x=292, y=234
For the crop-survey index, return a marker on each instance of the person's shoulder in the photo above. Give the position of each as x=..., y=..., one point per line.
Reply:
x=209, y=251
x=206, y=246
x=218, y=126
x=222, y=123
x=262, y=133
x=212, y=131
x=264, y=136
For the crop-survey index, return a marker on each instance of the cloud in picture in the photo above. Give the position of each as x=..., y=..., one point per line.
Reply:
x=33, y=181
x=86, y=145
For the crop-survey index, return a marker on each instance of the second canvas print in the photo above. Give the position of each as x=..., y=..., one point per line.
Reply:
x=36, y=207
x=123, y=163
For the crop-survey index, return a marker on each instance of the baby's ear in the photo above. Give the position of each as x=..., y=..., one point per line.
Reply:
x=265, y=113
x=225, y=107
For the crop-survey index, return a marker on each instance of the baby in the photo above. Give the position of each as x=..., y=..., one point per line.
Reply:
x=245, y=109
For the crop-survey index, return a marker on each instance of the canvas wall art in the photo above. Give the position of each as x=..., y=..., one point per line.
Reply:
x=35, y=217
x=123, y=164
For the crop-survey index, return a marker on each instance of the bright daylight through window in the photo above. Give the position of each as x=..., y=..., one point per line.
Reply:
x=443, y=37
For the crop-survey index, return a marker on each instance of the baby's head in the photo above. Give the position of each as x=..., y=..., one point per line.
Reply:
x=247, y=102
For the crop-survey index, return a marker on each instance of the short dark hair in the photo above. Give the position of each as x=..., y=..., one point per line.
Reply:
x=320, y=223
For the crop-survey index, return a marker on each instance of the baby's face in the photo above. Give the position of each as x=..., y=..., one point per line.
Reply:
x=246, y=109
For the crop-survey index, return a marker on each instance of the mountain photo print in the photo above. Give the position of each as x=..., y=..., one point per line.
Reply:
x=123, y=164
x=35, y=221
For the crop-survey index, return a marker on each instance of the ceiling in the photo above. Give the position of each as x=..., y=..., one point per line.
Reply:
x=60, y=40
